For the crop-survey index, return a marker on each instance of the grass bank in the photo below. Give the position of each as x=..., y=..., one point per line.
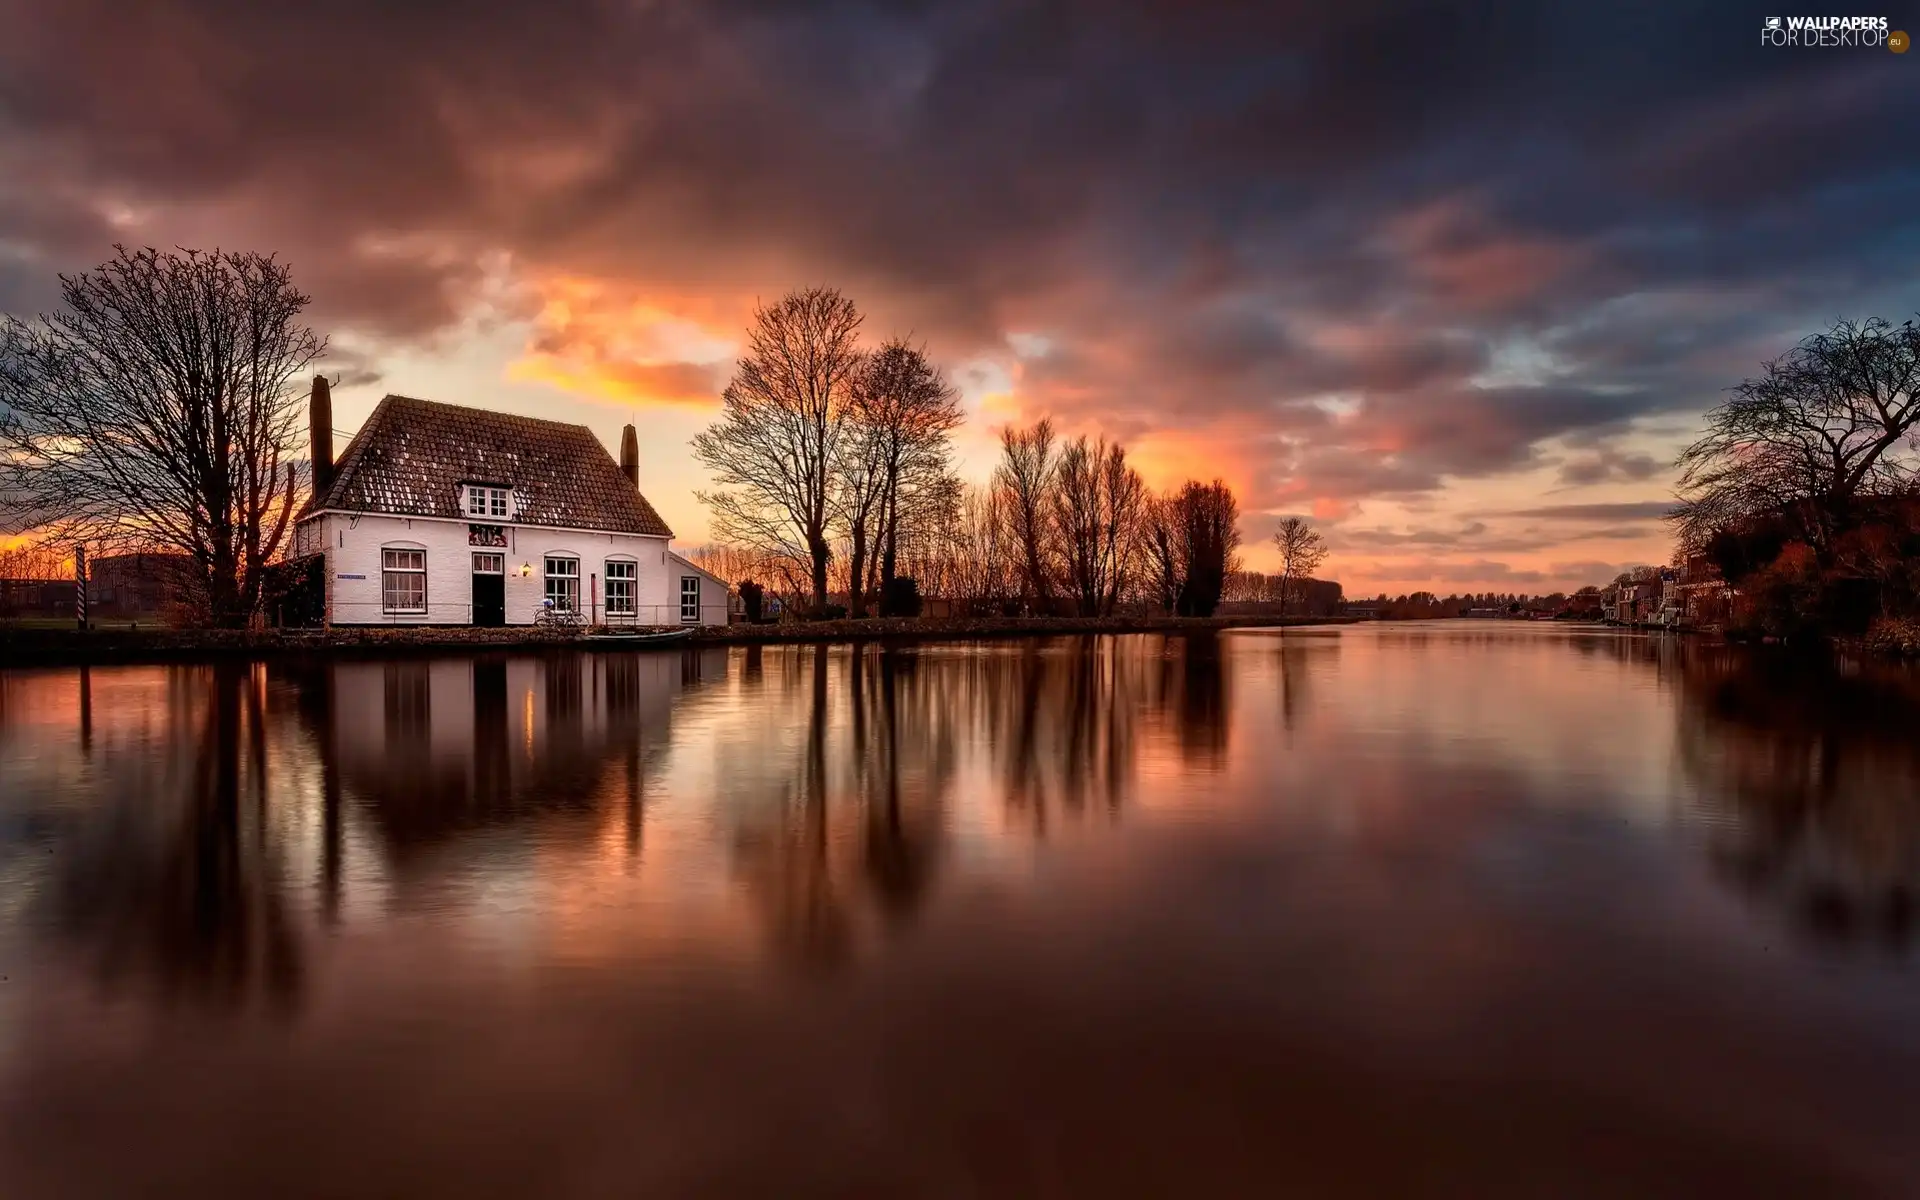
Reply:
x=29, y=646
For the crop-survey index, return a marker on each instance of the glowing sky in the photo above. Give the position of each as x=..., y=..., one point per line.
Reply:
x=1456, y=280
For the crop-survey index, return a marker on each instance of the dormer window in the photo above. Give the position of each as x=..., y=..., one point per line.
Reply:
x=495, y=503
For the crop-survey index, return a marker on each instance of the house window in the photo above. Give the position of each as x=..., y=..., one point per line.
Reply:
x=620, y=579
x=489, y=564
x=485, y=501
x=403, y=581
x=690, y=598
x=563, y=584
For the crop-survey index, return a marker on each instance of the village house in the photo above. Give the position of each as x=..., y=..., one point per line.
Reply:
x=1698, y=592
x=442, y=515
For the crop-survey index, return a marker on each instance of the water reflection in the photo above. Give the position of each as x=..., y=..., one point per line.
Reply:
x=184, y=889
x=251, y=795
x=1812, y=773
x=1369, y=911
x=851, y=822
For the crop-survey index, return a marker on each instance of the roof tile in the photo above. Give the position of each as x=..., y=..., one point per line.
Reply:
x=411, y=457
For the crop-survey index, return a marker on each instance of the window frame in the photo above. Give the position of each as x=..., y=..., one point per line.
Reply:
x=487, y=502
x=629, y=576
x=496, y=564
x=549, y=577
x=390, y=574
x=690, y=617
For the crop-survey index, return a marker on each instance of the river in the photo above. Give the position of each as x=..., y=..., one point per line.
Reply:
x=1453, y=908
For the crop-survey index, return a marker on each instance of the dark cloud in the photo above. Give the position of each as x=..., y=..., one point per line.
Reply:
x=1338, y=225
x=1609, y=465
x=1639, y=510
x=1477, y=537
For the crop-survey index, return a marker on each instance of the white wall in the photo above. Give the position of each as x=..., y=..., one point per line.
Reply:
x=713, y=592
x=353, y=544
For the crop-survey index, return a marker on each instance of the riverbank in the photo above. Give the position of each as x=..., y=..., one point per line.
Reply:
x=29, y=647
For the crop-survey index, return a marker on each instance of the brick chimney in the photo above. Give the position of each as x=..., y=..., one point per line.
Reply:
x=320, y=430
x=630, y=456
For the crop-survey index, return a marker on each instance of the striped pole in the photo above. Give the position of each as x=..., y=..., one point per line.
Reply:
x=80, y=585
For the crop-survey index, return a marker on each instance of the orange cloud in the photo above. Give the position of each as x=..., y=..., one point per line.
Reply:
x=629, y=348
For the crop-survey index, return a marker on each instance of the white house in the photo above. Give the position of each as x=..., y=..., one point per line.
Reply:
x=443, y=515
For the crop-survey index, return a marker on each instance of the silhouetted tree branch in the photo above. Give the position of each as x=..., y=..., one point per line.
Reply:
x=776, y=444
x=1825, y=426
x=157, y=409
x=1302, y=550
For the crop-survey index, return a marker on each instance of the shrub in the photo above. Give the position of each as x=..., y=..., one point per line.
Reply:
x=832, y=612
x=753, y=598
x=1895, y=635
x=901, y=597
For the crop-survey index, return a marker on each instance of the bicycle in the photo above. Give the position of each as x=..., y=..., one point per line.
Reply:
x=549, y=617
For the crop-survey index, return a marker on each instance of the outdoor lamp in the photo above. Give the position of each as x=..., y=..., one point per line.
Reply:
x=526, y=569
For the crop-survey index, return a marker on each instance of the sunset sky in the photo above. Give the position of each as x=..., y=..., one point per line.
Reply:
x=1455, y=280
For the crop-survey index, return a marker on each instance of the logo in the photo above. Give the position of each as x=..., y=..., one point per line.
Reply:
x=1872, y=32
x=1898, y=41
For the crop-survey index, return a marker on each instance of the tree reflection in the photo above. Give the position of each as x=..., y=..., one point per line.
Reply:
x=904, y=800
x=184, y=892
x=786, y=864
x=270, y=796
x=856, y=824
x=1819, y=770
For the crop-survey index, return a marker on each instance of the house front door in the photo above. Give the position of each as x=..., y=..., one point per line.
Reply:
x=489, y=590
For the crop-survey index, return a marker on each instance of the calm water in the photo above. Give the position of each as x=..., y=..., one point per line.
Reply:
x=1468, y=909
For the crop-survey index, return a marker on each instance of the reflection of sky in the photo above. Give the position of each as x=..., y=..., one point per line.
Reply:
x=1397, y=701
x=1354, y=729
x=1388, y=857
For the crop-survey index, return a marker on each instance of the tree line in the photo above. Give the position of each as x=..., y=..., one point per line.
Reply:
x=158, y=411
x=835, y=466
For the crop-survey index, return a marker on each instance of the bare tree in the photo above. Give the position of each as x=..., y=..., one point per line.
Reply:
x=983, y=570
x=1302, y=550
x=859, y=490
x=909, y=412
x=1095, y=504
x=1163, y=550
x=924, y=526
x=1025, y=476
x=34, y=560
x=1826, y=426
x=157, y=409
x=777, y=442
x=779, y=575
x=1210, y=527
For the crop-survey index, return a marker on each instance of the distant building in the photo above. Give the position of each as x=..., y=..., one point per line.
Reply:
x=132, y=586
x=120, y=587
x=36, y=598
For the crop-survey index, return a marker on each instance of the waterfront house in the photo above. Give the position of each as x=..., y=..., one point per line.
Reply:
x=1699, y=592
x=442, y=515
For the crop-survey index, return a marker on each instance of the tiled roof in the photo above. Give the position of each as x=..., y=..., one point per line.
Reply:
x=411, y=457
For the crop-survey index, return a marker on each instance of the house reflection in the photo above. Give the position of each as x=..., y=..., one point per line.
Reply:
x=1814, y=773
x=821, y=788
x=435, y=749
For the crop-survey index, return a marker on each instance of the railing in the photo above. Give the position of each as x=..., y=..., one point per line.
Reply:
x=368, y=612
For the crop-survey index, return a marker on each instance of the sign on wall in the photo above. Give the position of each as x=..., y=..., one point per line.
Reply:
x=486, y=535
